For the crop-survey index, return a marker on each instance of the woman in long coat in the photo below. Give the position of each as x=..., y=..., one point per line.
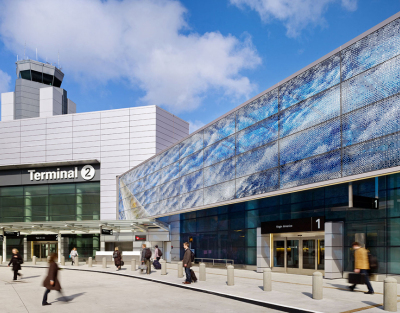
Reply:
x=51, y=282
x=16, y=261
x=117, y=258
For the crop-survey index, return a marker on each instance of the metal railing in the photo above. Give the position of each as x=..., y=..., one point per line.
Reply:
x=213, y=260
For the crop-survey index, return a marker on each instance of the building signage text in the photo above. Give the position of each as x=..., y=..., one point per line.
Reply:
x=87, y=173
x=296, y=225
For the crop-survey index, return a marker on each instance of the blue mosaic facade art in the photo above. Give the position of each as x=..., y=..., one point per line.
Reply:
x=338, y=118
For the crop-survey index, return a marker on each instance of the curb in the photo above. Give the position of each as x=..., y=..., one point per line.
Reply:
x=269, y=305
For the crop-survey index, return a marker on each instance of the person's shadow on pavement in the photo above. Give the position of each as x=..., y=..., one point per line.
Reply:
x=69, y=298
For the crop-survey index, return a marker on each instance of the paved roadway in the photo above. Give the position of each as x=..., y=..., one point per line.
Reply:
x=97, y=292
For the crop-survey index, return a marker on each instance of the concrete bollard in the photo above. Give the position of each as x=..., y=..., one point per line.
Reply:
x=34, y=260
x=267, y=279
x=180, y=269
x=231, y=277
x=163, y=267
x=1, y=259
x=76, y=261
x=104, y=262
x=48, y=258
x=317, y=291
x=202, y=275
x=390, y=294
x=90, y=261
x=63, y=260
x=133, y=265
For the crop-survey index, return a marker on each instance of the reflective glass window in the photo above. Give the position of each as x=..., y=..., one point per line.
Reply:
x=379, y=119
x=318, y=78
x=322, y=167
x=316, y=140
x=257, y=110
x=372, y=155
x=220, y=129
x=219, y=151
x=191, y=163
x=373, y=85
x=257, y=160
x=26, y=74
x=219, y=172
x=191, y=182
x=371, y=50
x=37, y=76
x=191, y=145
x=257, y=135
x=257, y=183
x=218, y=193
x=310, y=112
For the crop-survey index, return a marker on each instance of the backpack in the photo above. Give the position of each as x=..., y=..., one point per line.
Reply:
x=373, y=262
x=147, y=253
x=159, y=253
x=192, y=255
x=115, y=255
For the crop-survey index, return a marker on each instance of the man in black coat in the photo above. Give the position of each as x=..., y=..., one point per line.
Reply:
x=187, y=263
x=16, y=261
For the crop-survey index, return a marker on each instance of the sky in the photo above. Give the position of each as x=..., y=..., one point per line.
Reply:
x=198, y=59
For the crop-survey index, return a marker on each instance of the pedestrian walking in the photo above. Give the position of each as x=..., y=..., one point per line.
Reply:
x=145, y=258
x=117, y=258
x=51, y=282
x=187, y=263
x=16, y=261
x=157, y=253
x=361, y=265
x=73, y=254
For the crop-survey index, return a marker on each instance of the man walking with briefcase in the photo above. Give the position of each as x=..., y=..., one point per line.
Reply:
x=361, y=267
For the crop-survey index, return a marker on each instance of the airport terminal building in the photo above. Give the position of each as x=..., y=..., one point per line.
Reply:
x=58, y=168
x=290, y=178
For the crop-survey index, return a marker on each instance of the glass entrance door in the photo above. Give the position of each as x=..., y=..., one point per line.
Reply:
x=298, y=256
x=42, y=250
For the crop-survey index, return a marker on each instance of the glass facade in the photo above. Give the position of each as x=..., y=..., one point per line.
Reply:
x=336, y=119
x=55, y=202
x=229, y=231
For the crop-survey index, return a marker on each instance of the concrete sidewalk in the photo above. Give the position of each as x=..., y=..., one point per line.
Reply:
x=293, y=291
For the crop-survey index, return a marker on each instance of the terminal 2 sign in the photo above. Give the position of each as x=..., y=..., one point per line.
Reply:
x=87, y=173
x=296, y=225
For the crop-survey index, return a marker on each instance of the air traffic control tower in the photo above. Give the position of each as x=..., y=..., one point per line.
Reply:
x=38, y=93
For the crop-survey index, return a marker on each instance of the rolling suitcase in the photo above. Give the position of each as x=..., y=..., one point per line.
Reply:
x=193, y=276
x=156, y=265
x=356, y=278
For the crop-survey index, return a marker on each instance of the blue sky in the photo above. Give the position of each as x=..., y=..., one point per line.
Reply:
x=196, y=59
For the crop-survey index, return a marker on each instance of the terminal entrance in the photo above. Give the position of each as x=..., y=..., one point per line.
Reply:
x=298, y=255
x=43, y=249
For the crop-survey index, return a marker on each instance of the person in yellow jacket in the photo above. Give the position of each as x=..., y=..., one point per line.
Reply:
x=361, y=265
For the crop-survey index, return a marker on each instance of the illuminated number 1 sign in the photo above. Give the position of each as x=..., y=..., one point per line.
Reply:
x=318, y=221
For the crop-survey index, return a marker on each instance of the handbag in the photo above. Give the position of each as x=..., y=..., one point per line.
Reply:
x=122, y=263
x=143, y=267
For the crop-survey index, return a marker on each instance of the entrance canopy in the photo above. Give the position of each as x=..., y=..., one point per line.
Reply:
x=84, y=227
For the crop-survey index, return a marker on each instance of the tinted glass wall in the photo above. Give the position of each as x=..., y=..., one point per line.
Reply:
x=57, y=202
x=229, y=232
x=338, y=118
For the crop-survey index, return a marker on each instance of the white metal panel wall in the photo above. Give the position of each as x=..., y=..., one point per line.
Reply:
x=119, y=139
x=7, y=106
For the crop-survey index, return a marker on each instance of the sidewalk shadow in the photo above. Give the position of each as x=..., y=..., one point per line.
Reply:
x=341, y=287
x=377, y=305
x=23, y=277
x=70, y=297
x=308, y=294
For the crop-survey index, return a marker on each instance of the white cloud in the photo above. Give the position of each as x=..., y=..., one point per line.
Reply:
x=146, y=43
x=5, y=82
x=295, y=14
x=195, y=125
